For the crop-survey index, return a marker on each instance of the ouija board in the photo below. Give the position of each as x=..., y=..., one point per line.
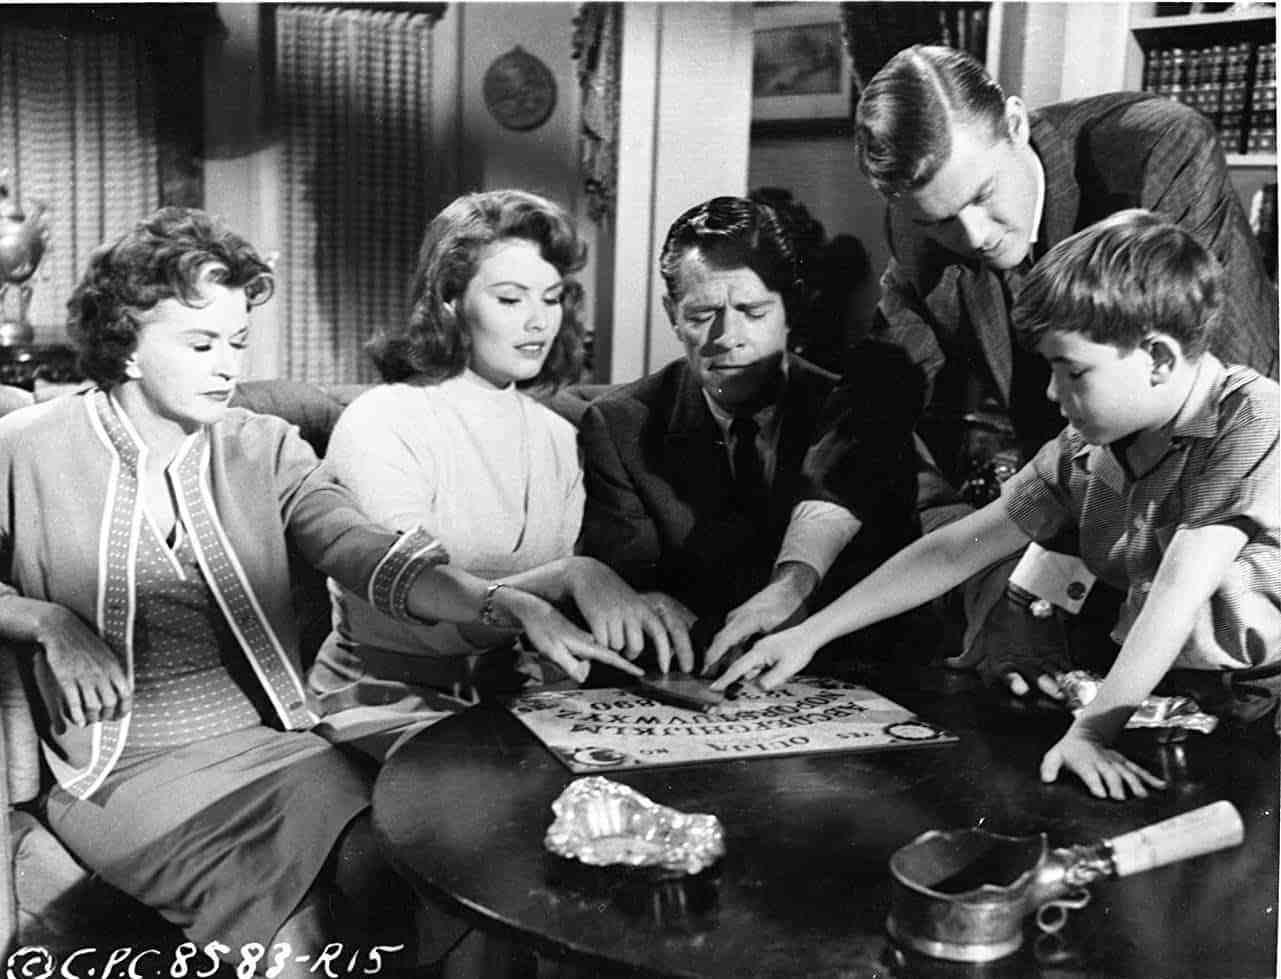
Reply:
x=608, y=729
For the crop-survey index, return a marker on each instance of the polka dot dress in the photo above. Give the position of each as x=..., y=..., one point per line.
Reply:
x=190, y=678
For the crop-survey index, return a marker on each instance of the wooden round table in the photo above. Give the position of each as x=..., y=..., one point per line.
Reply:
x=804, y=888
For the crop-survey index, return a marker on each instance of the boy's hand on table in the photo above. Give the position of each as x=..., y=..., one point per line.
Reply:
x=1105, y=771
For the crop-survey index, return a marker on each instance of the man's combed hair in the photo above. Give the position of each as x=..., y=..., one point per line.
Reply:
x=735, y=232
x=1120, y=279
x=172, y=254
x=903, y=123
x=434, y=343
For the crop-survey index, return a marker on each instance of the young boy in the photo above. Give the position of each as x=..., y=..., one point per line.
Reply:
x=1167, y=469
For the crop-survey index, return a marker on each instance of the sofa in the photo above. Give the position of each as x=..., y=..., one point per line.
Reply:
x=47, y=898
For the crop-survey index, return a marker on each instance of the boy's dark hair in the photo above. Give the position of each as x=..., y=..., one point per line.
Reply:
x=904, y=119
x=1120, y=279
x=169, y=255
x=735, y=232
x=434, y=343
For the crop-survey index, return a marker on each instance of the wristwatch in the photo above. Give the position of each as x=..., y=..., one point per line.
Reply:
x=489, y=615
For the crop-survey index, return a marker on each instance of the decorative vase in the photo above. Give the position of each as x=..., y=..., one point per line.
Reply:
x=23, y=240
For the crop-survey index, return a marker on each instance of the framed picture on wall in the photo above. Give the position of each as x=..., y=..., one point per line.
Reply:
x=800, y=71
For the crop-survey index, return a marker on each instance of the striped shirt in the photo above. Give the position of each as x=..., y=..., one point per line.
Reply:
x=1217, y=465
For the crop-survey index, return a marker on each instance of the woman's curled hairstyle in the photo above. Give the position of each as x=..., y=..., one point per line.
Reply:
x=434, y=343
x=172, y=254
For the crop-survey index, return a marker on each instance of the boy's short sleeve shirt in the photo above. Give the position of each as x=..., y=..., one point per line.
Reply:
x=1218, y=466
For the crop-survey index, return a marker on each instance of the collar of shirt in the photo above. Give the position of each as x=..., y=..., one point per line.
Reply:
x=1197, y=417
x=1039, y=169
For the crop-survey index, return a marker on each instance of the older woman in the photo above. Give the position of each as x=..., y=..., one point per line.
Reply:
x=143, y=532
x=451, y=442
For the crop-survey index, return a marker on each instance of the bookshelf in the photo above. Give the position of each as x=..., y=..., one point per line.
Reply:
x=1225, y=19
x=1221, y=63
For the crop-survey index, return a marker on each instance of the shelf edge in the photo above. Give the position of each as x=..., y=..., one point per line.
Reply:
x=1252, y=160
x=1200, y=20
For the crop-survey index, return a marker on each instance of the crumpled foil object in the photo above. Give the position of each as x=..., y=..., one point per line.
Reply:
x=603, y=823
x=1081, y=686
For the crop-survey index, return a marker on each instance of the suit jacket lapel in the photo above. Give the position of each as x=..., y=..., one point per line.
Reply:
x=984, y=297
x=990, y=317
x=695, y=448
x=801, y=407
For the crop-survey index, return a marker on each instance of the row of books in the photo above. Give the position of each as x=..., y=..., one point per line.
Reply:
x=1262, y=134
x=1234, y=85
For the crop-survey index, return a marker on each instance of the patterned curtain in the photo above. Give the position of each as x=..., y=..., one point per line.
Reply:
x=354, y=102
x=598, y=41
x=77, y=133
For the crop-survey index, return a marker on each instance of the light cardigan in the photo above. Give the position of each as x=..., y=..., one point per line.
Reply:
x=71, y=508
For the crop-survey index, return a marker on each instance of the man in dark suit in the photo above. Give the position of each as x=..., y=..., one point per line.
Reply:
x=734, y=481
x=978, y=189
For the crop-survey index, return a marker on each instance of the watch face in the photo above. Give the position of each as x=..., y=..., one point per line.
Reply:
x=520, y=91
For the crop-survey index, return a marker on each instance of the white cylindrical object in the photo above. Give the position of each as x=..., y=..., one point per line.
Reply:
x=1213, y=827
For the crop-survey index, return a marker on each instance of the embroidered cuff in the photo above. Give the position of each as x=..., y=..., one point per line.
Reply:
x=391, y=581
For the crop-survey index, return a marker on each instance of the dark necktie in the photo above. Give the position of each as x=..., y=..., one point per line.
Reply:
x=1014, y=278
x=1036, y=419
x=749, y=471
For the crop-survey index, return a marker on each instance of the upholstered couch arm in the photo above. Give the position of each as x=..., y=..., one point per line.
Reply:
x=17, y=731
x=8, y=896
x=20, y=756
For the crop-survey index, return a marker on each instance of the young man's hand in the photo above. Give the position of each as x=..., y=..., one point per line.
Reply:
x=1105, y=772
x=1046, y=683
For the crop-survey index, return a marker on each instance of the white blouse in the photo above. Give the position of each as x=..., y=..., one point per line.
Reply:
x=492, y=474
